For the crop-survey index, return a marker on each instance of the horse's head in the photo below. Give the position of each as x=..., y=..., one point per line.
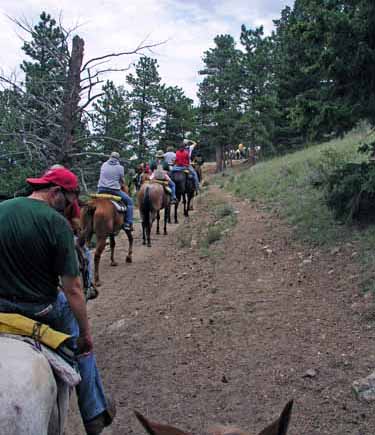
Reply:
x=278, y=427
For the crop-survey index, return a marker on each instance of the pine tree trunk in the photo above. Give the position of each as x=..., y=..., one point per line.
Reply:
x=219, y=158
x=72, y=98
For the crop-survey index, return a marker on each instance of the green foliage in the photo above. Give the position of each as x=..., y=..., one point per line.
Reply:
x=176, y=117
x=219, y=95
x=321, y=168
x=351, y=191
x=224, y=211
x=144, y=97
x=112, y=120
x=46, y=76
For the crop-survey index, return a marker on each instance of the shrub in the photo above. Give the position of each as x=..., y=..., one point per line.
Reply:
x=214, y=234
x=224, y=211
x=350, y=191
x=320, y=170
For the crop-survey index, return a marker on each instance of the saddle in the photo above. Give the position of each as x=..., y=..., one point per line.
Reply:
x=164, y=183
x=116, y=200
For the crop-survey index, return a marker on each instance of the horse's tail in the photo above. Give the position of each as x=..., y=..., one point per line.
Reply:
x=87, y=222
x=147, y=207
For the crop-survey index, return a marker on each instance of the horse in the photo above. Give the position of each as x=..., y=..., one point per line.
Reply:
x=197, y=165
x=278, y=427
x=100, y=216
x=32, y=400
x=184, y=190
x=151, y=199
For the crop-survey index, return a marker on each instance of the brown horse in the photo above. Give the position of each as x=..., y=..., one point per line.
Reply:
x=151, y=199
x=279, y=427
x=101, y=217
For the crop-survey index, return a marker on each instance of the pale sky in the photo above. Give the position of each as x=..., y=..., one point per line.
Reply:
x=107, y=26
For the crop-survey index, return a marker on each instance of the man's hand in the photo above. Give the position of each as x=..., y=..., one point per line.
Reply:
x=85, y=344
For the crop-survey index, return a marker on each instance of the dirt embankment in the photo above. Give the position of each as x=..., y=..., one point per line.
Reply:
x=230, y=332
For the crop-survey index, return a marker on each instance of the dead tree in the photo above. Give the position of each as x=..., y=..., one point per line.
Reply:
x=66, y=118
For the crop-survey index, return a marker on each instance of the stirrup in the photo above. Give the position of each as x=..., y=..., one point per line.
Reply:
x=128, y=227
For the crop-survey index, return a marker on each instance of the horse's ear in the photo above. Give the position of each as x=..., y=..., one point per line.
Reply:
x=280, y=426
x=158, y=429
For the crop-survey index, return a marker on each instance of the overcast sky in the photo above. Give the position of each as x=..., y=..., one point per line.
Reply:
x=107, y=26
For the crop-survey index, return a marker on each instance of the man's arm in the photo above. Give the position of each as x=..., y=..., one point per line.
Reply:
x=74, y=294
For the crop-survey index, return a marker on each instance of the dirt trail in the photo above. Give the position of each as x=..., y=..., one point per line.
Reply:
x=191, y=339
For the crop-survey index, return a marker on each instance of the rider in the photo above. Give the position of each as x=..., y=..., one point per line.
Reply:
x=183, y=162
x=170, y=156
x=36, y=248
x=198, y=160
x=160, y=169
x=72, y=213
x=111, y=180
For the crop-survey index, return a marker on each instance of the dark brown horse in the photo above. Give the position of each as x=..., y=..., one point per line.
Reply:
x=151, y=199
x=184, y=191
x=100, y=216
x=279, y=427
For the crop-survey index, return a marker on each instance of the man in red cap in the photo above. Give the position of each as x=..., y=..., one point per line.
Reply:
x=36, y=249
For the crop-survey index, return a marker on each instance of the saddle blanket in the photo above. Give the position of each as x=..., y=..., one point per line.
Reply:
x=60, y=367
x=120, y=207
x=164, y=183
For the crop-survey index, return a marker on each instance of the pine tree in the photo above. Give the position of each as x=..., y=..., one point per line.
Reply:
x=45, y=81
x=176, y=117
x=219, y=95
x=144, y=97
x=112, y=120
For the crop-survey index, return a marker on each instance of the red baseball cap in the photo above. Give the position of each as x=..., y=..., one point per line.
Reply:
x=59, y=176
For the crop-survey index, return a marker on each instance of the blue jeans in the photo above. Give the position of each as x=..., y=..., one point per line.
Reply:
x=192, y=172
x=127, y=200
x=88, y=257
x=91, y=398
x=172, y=186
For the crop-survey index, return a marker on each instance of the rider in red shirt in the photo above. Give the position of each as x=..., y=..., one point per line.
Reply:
x=183, y=162
x=182, y=157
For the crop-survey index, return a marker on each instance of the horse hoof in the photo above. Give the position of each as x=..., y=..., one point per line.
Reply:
x=165, y=233
x=129, y=260
x=149, y=245
x=114, y=264
x=158, y=233
x=98, y=283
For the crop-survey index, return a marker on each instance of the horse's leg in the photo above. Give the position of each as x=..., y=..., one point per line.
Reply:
x=169, y=215
x=100, y=245
x=130, y=250
x=175, y=211
x=143, y=232
x=158, y=222
x=148, y=231
x=166, y=214
x=112, y=244
x=186, y=210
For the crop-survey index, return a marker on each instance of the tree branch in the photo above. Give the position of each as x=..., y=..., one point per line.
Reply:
x=123, y=53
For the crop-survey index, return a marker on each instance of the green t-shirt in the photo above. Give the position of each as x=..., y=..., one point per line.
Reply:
x=36, y=247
